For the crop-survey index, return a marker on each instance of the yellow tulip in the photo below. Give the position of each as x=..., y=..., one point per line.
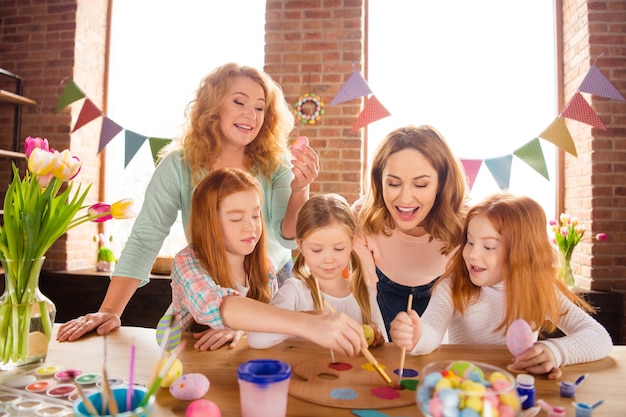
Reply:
x=123, y=209
x=66, y=166
x=40, y=162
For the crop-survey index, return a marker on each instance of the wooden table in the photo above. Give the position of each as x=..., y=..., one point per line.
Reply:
x=606, y=379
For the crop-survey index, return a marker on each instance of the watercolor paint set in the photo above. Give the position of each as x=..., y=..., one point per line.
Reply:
x=46, y=390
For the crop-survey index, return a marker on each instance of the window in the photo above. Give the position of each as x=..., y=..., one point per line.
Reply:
x=483, y=73
x=160, y=50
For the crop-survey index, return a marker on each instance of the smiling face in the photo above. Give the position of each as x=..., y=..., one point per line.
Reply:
x=327, y=251
x=240, y=222
x=484, y=252
x=242, y=112
x=409, y=187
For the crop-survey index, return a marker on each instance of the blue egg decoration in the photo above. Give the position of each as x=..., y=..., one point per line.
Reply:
x=189, y=387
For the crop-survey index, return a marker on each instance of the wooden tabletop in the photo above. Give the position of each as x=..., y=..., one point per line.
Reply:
x=605, y=381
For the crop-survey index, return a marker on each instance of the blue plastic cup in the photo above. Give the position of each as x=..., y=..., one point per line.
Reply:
x=120, y=399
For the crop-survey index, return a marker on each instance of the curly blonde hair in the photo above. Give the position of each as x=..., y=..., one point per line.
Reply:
x=201, y=143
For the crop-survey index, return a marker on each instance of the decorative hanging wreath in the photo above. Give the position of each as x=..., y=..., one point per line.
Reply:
x=309, y=108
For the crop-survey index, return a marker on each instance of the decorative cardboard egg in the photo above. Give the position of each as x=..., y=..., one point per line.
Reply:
x=175, y=371
x=519, y=337
x=190, y=387
x=203, y=408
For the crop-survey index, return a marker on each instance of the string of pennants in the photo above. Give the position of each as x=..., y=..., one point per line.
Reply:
x=594, y=83
x=577, y=108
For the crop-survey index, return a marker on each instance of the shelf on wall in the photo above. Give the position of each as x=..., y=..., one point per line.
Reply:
x=12, y=98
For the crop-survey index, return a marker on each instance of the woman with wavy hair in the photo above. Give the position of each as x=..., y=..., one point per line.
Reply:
x=239, y=118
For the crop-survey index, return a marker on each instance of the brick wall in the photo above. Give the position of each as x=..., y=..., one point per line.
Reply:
x=313, y=47
x=595, y=182
x=47, y=43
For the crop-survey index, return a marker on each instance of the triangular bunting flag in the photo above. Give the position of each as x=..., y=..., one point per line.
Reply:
x=70, y=94
x=110, y=129
x=471, y=168
x=558, y=134
x=88, y=113
x=131, y=145
x=500, y=169
x=596, y=83
x=372, y=111
x=155, y=146
x=532, y=154
x=355, y=87
x=579, y=109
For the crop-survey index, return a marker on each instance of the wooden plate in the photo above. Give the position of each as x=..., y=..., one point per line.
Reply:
x=321, y=380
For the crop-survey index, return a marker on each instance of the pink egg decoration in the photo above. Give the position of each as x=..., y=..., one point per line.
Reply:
x=203, y=408
x=300, y=142
x=519, y=337
x=189, y=387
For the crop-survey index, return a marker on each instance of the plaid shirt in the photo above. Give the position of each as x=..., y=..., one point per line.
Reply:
x=196, y=296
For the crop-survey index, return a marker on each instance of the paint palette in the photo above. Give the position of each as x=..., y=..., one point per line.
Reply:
x=47, y=390
x=352, y=383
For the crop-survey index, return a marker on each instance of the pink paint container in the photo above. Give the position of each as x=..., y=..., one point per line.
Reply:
x=263, y=388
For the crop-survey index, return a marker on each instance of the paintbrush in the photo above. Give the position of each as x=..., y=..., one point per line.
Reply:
x=113, y=409
x=154, y=385
x=86, y=401
x=403, y=354
x=370, y=358
x=319, y=295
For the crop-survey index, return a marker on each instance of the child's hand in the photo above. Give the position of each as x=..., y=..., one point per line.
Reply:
x=212, y=339
x=406, y=329
x=336, y=331
x=539, y=359
x=378, y=336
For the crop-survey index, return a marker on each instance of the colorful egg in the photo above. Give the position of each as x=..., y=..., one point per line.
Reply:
x=190, y=387
x=174, y=373
x=203, y=408
x=368, y=331
x=519, y=337
x=300, y=142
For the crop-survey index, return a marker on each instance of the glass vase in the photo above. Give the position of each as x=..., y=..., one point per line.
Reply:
x=565, y=270
x=26, y=315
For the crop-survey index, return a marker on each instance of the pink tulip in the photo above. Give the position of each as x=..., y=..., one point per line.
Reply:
x=601, y=237
x=100, y=209
x=31, y=144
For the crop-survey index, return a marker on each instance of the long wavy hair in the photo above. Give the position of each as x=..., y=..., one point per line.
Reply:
x=322, y=211
x=445, y=219
x=201, y=142
x=530, y=272
x=206, y=233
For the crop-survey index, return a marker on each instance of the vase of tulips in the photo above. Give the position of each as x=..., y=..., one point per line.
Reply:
x=38, y=209
x=568, y=232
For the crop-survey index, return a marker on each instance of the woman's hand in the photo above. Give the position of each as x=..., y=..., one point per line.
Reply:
x=406, y=329
x=212, y=339
x=539, y=359
x=102, y=321
x=306, y=167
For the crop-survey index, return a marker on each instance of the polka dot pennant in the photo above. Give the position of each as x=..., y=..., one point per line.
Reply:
x=355, y=87
x=596, y=83
x=579, y=109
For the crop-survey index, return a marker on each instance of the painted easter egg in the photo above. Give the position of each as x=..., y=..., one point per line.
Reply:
x=519, y=337
x=190, y=387
x=174, y=373
x=203, y=408
x=300, y=142
x=173, y=339
x=368, y=331
x=465, y=369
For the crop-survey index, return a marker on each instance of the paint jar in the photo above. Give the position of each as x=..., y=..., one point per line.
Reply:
x=557, y=412
x=568, y=389
x=583, y=410
x=120, y=399
x=526, y=390
x=264, y=387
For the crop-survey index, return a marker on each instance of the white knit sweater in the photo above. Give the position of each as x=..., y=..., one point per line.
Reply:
x=585, y=339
